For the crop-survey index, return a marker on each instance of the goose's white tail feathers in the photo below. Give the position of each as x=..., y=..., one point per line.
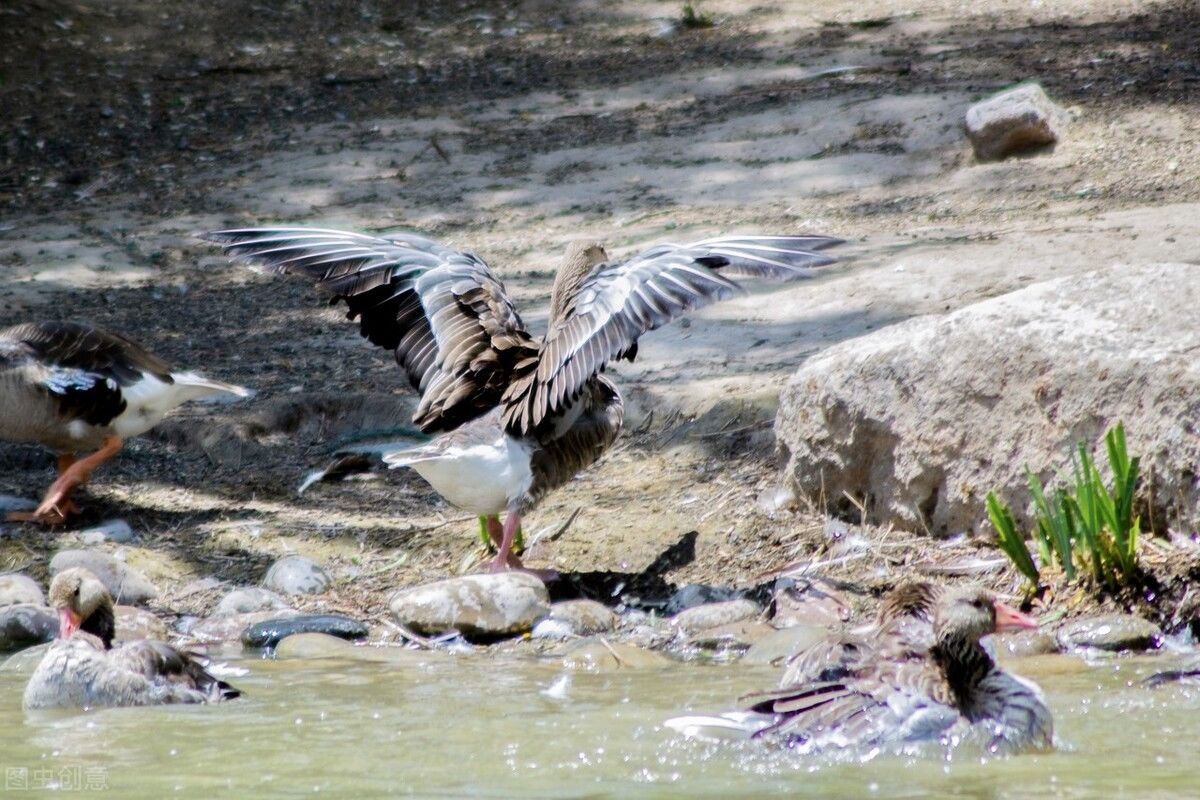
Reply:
x=735, y=725
x=193, y=386
x=409, y=456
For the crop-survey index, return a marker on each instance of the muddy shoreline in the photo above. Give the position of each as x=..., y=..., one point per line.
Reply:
x=509, y=129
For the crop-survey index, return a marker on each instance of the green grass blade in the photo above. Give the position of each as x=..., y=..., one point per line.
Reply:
x=1051, y=526
x=1009, y=538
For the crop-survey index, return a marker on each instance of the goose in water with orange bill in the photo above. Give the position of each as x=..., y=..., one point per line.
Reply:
x=70, y=386
x=518, y=415
x=898, y=697
x=82, y=668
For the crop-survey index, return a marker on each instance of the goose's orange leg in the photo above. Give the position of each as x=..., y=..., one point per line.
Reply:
x=57, y=503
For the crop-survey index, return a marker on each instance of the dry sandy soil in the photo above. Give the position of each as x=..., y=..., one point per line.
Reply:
x=510, y=128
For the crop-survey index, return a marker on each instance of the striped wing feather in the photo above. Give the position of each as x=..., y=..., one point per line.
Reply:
x=617, y=303
x=858, y=710
x=443, y=313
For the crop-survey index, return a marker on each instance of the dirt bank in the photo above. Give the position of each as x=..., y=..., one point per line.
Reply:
x=509, y=129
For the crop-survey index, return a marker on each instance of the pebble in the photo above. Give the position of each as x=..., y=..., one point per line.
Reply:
x=17, y=588
x=698, y=594
x=648, y=635
x=1110, y=632
x=312, y=645
x=584, y=617
x=138, y=623
x=25, y=625
x=229, y=627
x=322, y=645
x=296, y=575
x=1014, y=120
x=735, y=637
x=1026, y=643
x=245, y=599
x=268, y=632
x=125, y=583
x=713, y=615
x=552, y=629
x=595, y=655
x=474, y=605
x=776, y=648
x=24, y=662
x=113, y=530
x=10, y=502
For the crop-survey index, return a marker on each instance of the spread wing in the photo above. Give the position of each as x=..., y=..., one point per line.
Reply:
x=444, y=313
x=74, y=345
x=890, y=701
x=617, y=303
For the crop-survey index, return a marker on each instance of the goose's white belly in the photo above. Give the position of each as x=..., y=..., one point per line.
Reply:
x=482, y=478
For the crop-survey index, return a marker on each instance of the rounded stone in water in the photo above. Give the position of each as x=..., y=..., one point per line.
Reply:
x=269, y=632
x=137, y=623
x=479, y=605
x=582, y=617
x=713, y=615
x=25, y=624
x=1110, y=632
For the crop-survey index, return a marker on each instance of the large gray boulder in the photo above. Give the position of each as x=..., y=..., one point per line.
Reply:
x=920, y=420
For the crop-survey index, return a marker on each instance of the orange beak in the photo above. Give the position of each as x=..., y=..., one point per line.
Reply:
x=1009, y=619
x=68, y=623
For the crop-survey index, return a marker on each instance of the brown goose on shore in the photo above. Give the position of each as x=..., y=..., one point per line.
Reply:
x=519, y=415
x=953, y=688
x=902, y=629
x=71, y=387
x=82, y=668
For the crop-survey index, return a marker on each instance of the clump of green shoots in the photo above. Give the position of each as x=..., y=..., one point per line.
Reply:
x=1088, y=528
x=691, y=19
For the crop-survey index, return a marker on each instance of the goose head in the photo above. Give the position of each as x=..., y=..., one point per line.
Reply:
x=83, y=603
x=577, y=263
x=972, y=613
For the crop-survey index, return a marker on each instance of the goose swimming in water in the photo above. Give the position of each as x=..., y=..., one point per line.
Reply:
x=70, y=387
x=82, y=668
x=906, y=694
x=519, y=415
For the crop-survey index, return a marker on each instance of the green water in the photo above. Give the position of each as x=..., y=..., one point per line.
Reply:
x=477, y=726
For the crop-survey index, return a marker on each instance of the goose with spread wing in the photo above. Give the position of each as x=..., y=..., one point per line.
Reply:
x=84, y=668
x=518, y=415
x=886, y=697
x=70, y=386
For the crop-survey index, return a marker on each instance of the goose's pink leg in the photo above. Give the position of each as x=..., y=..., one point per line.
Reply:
x=495, y=530
x=57, y=505
x=505, y=558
